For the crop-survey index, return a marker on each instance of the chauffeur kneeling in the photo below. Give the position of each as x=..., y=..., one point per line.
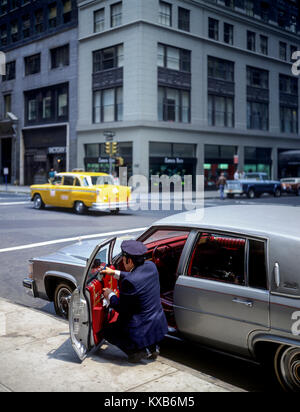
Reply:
x=142, y=323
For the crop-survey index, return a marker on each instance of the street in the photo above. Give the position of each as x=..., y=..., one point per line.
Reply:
x=26, y=233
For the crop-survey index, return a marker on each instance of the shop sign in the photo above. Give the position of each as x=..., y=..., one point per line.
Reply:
x=40, y=158
x=174, y=161
x=6, y=171
x=106, y=160
x=57, y=150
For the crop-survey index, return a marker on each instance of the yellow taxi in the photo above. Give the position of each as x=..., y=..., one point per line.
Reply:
x=82, y=191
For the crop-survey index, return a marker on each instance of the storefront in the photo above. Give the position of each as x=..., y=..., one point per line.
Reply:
x=172, y=159
x=258, y=159
x=45, y=149
x=96, y=159
x=218, y=159
x=7, y=135
x=288, y=163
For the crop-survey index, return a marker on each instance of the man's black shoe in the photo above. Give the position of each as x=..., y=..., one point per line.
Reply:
x=137, y=356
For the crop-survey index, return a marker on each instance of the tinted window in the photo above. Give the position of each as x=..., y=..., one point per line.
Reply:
x=220, y=258
x=68, y=181
x=257, y=265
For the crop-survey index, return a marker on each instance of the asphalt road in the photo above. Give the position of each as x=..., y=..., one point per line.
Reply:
x=21, y=225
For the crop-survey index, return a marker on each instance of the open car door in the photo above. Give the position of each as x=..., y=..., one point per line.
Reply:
x=87, y=312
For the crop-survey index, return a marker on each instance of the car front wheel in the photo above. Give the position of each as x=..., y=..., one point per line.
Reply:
x=38, y=202
x=287, y=367
x=62, y=296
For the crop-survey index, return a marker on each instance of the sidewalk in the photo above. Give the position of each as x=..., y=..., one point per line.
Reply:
x=36, y=355
x=26, y=190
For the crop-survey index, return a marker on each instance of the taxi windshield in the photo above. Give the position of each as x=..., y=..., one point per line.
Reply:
x=102, y=180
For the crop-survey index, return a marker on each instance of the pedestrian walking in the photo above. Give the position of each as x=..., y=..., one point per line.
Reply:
x=221, y=185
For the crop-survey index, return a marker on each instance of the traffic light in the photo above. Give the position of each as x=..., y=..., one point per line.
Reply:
x=108, y=148
x=114, y=149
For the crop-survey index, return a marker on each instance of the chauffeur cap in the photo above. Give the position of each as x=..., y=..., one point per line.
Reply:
x=133, y=248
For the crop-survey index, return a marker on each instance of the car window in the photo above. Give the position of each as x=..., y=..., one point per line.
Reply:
x=253, y=177
x=57, y=180
x=166, y=234
x=257, y=269
x=85, y=182
x=102, y=180
x=77, y=182
x=219, y=258
x=68, y=180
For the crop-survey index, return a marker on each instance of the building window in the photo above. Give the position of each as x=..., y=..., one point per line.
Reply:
x=14, y=31
x=47, y=105
x=288, y=85
x=62, y=102
x=220, y=69
x=109, y=58
x=173, y=105
x=39, y=21
x=32, y=64
x=183, y=19
x=282, y=51
x=7, y=104
x=10, y=71
x=249, y=7
x=3, y=34
x=116, y=14
x=213, y=29
x=288, y=120
x=26, y=24
x=52, y=15
x=60, y=57
x=108, y=105
x=173, y=58
x=228, y=33
x=293, y=49
x=67, y=11
x=99, y=20
x=264, y=45
x=257, y=78
x=257, y=116
x=251, y=40
x=165, y=14
x=220, y=111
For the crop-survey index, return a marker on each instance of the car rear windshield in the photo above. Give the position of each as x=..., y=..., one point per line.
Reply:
x=102, y=180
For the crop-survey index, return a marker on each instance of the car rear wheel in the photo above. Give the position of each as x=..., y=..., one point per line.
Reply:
x=115, y=211
x=62, y=296
x=80, y=208
x=277, y=192
x=287, y=367
x=251, y=194
x=38, y=202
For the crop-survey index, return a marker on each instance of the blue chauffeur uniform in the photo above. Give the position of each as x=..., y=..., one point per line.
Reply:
x=142, y=323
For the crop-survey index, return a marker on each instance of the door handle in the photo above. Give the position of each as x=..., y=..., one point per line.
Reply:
x=247, y=303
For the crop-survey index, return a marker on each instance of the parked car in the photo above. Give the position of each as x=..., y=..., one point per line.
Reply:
x=227, y=282
x=291, y=185
x=253, y=185
x=82, y=191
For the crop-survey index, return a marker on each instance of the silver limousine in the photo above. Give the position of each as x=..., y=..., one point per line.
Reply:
x=229, y=280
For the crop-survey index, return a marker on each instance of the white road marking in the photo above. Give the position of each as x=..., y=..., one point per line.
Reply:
x=72, y=239
x=14, y=203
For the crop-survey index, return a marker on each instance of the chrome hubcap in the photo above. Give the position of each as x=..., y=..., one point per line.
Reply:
x=290, y=368
x=63, y=299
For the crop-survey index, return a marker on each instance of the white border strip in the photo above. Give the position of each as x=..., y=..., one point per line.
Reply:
x=72, y=239
x=14, y=203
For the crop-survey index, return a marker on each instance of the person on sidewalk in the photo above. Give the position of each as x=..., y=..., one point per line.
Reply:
x=142, y=324
x=221, y=184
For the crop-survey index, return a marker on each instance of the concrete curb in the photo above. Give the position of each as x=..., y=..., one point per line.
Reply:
x=36, y=355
